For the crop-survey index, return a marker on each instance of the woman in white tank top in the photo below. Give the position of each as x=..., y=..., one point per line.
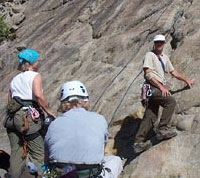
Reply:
x=24, y=135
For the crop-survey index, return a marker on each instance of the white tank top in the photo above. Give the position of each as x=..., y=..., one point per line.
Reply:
x=22, y=85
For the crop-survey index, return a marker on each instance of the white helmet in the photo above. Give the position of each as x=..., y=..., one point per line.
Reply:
x=73, y=90
x=159, y=38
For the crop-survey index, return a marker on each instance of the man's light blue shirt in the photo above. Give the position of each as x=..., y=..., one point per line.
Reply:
x=77, y=136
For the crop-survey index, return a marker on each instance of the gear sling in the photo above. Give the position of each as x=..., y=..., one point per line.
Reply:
x=27, y=109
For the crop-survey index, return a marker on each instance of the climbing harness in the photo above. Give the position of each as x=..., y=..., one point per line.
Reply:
x=146, y=92
x=57, y=170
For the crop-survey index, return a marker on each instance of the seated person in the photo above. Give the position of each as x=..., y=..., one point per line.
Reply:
x=75, y=141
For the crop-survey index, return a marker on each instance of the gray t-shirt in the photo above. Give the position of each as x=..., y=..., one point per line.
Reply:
x=77, y=136
x=152, y=62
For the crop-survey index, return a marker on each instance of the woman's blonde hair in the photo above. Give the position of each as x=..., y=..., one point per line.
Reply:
x=75, y=103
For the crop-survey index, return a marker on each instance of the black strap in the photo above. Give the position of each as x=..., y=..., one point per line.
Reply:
x=85, y=166
x=160, y=59
x=162, y=63
x=78, y=166
x=31, y=137
x=26, y=102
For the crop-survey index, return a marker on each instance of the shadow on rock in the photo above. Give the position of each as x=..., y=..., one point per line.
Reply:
x=125, y=137
x=4, y=160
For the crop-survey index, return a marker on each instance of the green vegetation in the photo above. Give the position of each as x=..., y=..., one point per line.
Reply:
x=4, y=30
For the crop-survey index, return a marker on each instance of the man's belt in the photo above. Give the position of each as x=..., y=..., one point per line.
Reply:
x=80, y=167
x=83, y=170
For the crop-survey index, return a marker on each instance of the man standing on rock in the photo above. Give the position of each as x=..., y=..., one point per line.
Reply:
x=156, y=64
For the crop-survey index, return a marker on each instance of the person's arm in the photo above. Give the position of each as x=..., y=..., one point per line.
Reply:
x=46, y=156
x=47, y=139
x=156, y=83
x=9, y=96
x=178, y=76
x=37, y=91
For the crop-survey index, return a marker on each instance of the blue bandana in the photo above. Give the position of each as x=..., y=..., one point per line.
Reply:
x=28, y=55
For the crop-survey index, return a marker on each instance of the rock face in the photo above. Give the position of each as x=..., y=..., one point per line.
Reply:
x=174, y=158
x=102, y=43
x=13, y=13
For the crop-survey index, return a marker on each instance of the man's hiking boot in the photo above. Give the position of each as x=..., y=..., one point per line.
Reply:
x=164, y=134
x=142, y=146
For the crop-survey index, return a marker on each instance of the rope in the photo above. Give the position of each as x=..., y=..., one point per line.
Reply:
x=102, y=93
x=120, y=102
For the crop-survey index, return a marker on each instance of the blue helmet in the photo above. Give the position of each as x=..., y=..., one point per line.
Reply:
x=28, y=55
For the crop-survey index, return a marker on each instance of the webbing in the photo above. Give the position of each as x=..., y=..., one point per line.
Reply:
x=162, y=63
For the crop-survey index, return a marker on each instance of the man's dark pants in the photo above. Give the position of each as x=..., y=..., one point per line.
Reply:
x=151, y=114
